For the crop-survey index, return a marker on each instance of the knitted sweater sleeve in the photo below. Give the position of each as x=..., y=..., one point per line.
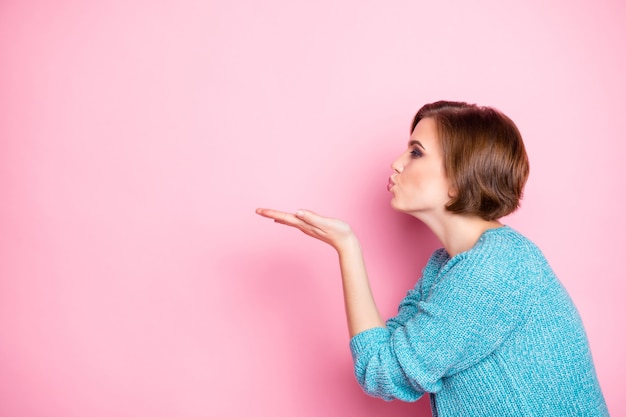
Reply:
x=409, y=305
x=477, y=299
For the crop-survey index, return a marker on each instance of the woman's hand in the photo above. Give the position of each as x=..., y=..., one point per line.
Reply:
x=361, y=309
x=336, y=233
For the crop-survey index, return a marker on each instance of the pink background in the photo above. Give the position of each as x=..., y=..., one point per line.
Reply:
x=138, y=137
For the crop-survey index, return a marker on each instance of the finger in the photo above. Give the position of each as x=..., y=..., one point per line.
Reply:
x=288, y=218
x=317, y=226
x=270, y=214
x=314, y=219
x=300, y=220
x=281, y=217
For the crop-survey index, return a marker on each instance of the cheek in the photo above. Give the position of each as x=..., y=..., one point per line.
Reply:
x=416, y=177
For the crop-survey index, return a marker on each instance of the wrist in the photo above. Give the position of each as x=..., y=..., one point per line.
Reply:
x=347, y=245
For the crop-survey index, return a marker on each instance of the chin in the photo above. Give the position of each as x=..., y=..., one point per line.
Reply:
x=397, y=207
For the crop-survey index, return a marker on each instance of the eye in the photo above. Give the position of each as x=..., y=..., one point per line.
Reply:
x=416, y=153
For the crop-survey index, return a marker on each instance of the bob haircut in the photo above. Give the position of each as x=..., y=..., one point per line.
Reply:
x=483, y=155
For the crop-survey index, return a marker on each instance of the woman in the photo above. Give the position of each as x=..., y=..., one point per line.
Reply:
x=488, y=330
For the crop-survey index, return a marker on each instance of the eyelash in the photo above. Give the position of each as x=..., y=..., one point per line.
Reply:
x=416, y=153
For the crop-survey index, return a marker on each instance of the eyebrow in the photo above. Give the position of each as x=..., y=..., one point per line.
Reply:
x=418, y=143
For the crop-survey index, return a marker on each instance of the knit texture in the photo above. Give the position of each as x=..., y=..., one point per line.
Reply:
x=488, y=332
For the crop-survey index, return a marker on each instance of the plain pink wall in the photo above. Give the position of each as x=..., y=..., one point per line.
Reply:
x=138, y=137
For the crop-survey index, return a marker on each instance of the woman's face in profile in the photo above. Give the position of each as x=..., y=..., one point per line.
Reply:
x=418, y=184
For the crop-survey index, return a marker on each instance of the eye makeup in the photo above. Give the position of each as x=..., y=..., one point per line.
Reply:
x=416, y=153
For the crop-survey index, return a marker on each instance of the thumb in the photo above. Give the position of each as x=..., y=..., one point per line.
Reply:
x=308, y=216
x=311, y=218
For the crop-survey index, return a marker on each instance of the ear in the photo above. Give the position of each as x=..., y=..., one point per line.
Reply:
x=452, y=191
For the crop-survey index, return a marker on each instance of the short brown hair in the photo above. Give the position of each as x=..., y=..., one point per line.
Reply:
x=483, y=155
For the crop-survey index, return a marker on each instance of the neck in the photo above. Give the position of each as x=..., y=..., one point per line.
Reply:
x=458, y=233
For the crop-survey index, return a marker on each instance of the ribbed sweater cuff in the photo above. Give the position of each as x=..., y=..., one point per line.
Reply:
x=366, y=339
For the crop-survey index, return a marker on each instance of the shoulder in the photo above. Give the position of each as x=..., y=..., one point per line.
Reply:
x=502, y=260
x=502, y=246
x=505, y=238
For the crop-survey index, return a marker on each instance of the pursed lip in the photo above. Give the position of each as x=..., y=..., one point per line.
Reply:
x=390, y=184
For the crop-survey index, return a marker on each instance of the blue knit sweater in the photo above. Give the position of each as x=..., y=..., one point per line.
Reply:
x=488, y=332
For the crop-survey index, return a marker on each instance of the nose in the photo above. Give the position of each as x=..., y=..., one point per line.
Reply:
x=397, y=165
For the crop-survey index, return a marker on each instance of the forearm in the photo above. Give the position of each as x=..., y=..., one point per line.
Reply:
x=361, y=310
